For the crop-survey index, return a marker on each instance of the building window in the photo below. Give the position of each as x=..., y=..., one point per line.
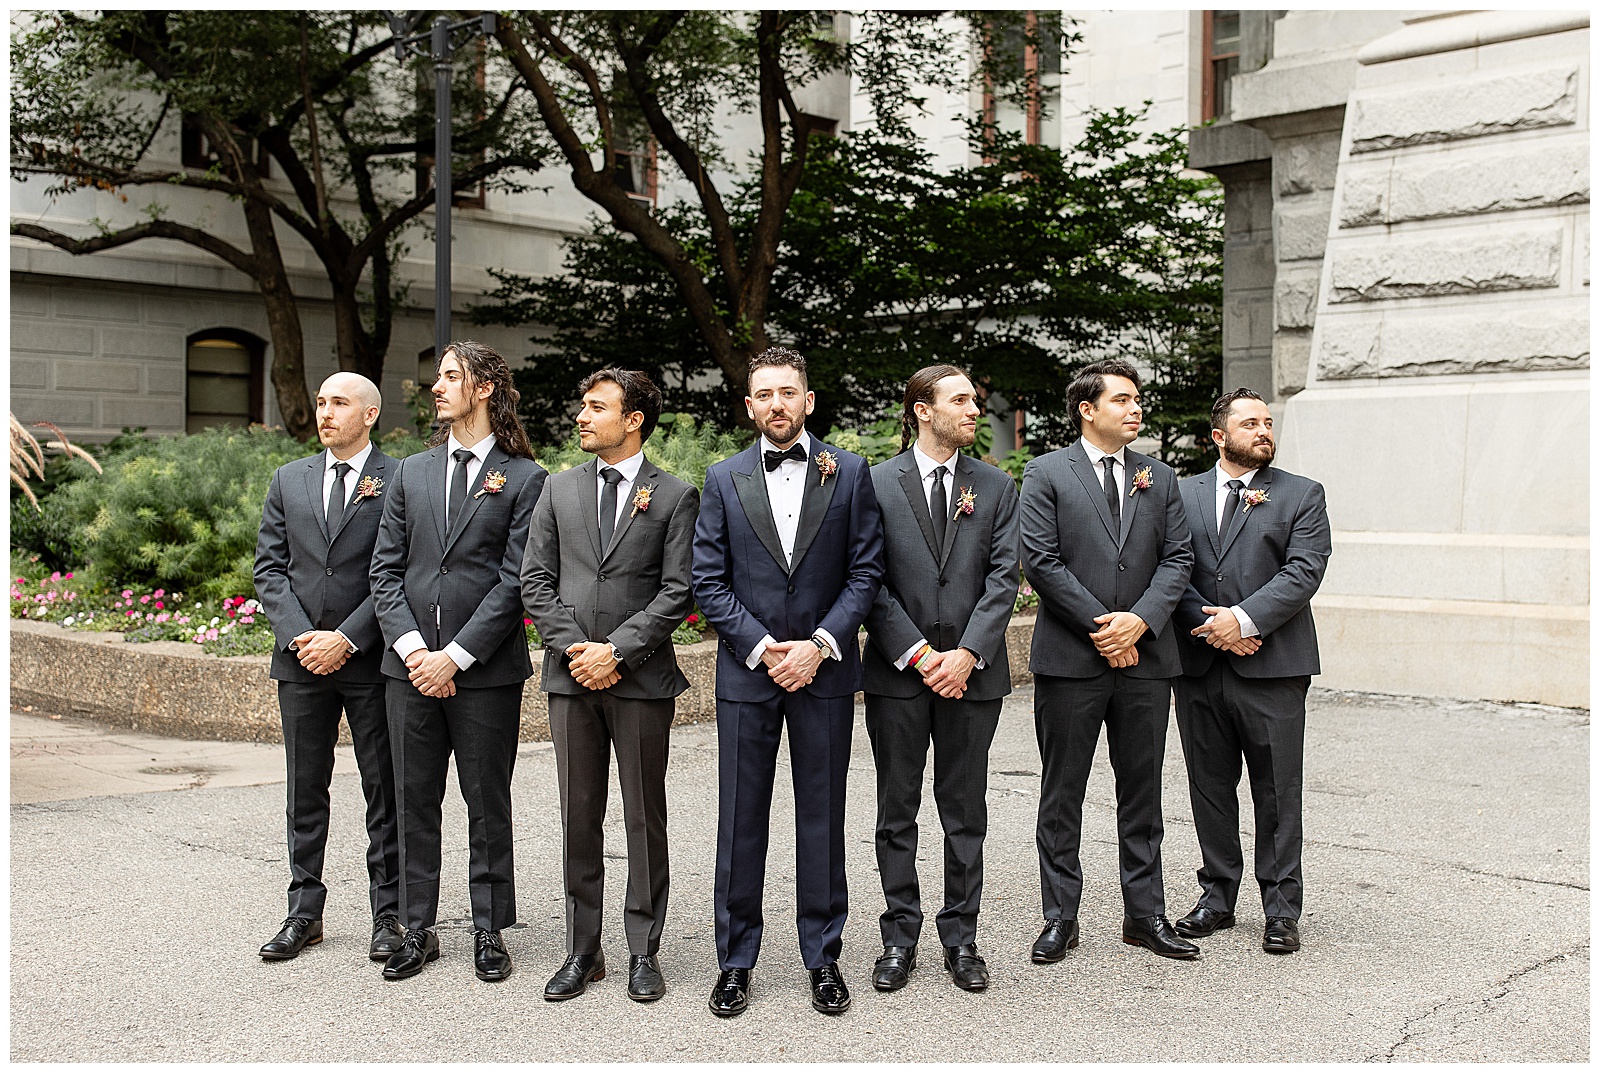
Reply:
x=196, y=149
x=636, y=172
x=225, y=381
x=1220, y=41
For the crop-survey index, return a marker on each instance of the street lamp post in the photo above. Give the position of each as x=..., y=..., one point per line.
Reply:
x=440, y=43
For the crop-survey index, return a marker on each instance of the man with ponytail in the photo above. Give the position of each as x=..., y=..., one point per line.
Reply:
x=936, y=669
x=446, y=582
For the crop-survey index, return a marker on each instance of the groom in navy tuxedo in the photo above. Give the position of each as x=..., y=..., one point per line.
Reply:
x=788, y=557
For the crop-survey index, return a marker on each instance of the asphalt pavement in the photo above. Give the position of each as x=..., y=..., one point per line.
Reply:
x=1447, y=914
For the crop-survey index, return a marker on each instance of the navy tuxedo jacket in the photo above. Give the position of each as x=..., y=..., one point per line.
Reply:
x=746, y=589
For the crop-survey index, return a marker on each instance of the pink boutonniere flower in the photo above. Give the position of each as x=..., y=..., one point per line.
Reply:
x=492, y=483
x=369, y=487
x=641, y=499
x=827, y=465
x=1141, y=481
x=967, y=501
x=1252, y=497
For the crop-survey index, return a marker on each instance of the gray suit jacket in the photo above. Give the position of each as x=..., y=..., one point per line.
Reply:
x=1082, y=568
x=1270, y=563
x=633, y=593
x=959, y=595
x=461, y=585
x=310, y=579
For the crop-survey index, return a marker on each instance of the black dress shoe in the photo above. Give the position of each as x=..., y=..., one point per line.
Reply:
x=1156, y=936
x=1055, y=940
x=296, y=934
x=575, y=975
x=892, y=971
x=966, y=967
x=489, y=958
x=731, y=994
x=644, y=978
x=387, y=936
x=828, y=993
x=1282, y=936
x=1202, y=921
x=420, y=947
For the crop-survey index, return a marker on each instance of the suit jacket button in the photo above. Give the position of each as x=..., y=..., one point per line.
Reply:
x=1121, y=567
x=602, y=577
x=444, y=569
x=330, y=573
x=943, y=582
x=791, y=590
x=1222, y=577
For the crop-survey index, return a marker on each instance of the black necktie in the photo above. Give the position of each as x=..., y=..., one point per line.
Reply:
x=458, y=486
x=1113, y=498
x=777, y=458
x=939, y=505
x=608, y=505
x=1232, y=505
x=335, y=509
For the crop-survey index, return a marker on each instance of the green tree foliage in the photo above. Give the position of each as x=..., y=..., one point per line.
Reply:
x=680, y=445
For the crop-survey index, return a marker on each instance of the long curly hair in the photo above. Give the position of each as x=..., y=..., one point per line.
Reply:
x=483, y=365
x=920, y=389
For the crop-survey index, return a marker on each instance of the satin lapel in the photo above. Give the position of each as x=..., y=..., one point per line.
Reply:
x=435, y=471
x=963, y=478
x=1130, y=503
x=589, y=504
x=1087, y=474
x=1263, y=481
x=1206, y=490
x=814, y=505
x=375, y=467
x=911, y=483
x=495, y=460
x=648, y=476
x=751, y=487
x=316, y=470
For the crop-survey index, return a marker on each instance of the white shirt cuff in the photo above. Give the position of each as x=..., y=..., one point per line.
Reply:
x=1246, y=627
x=462, y=657
x=352, y=648
x=409, y=644
x=759, y=650
x=832, y=644
x=905, y=661
x=979, y=662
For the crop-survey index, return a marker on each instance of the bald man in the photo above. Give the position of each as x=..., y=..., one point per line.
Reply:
x=313, y=562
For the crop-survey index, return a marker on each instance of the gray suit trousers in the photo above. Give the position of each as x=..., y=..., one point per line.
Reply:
x=584, y=729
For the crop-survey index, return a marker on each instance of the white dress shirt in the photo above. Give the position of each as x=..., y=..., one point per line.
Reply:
x=1120, y=468
x=1246, y=627
x=480, y=451
x=357, y=462
x=926, y=466
x=629, y=468
x=786, y=493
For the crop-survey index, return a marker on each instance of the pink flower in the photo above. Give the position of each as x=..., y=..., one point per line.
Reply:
x=161, y=592
x=211, y=634
x=127, y=594
x=56, y=576
x=144, y=599
x=232, y=612
x=250, y=620
x=159, y=605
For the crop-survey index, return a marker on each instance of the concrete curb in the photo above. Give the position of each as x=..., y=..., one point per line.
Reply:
x=166, y=687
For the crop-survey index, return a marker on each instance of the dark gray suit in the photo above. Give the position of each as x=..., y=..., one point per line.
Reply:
x=308, y=578
x=1083, y=567
x=461, y=585
x=1269, y=564
x=956, y=595
x=632, y=593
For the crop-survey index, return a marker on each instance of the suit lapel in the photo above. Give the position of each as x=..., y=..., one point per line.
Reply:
x=435, y=472
x=911, y=484
x=589, y=505
x=1206, y=490
x=375, y=468
x=316, y=471
x=814, y=505
x=495, y=459
x=1097, y=494
x=963, y=476
x=1130, y=498
x=1263, y=481
x=751, y=486
x=648, y=476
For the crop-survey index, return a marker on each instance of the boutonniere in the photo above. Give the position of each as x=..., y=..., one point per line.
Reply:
x=827, y=465
x=1141, y=481
x=641, y=499
x=967, y=501
x=492, y=483
x=1253, y=497
x=369, y=487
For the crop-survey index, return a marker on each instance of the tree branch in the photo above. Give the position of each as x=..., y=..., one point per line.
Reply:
x=228, y=252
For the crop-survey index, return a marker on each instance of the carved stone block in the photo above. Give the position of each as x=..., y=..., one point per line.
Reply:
x=1512, y=261
x=1427, y=190
x=1483, y=106
x=1358, y=347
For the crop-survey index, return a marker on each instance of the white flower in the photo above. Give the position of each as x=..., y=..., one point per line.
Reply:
x=67, y=621
x=214, y=620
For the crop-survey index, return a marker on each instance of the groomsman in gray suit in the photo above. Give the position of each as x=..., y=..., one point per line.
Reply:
x=1106, y=546
x=936, y=668
x=606, y=580
x=318, y=526
x=1261, y=544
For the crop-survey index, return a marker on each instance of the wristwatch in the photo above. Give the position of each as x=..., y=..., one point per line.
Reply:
x=822, y=645
x=616, y=654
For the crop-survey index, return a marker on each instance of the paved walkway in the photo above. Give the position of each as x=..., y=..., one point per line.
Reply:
x=1447, y=871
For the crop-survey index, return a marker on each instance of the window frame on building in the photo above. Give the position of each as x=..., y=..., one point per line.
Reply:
x=1215, y=99
x=256, y=393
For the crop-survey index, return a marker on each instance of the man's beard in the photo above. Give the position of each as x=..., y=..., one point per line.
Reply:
x=951, y=435
x=796, y=427
x=598, y=443
x=1250, y=457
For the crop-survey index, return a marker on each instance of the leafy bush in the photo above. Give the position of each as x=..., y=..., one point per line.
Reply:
x=680, y=445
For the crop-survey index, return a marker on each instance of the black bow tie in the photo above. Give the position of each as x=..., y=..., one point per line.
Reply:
x=778, y=458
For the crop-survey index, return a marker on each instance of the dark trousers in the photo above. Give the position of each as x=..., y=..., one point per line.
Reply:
x=961, y=732
x=1222, y=718
x=480, y=727
x=819, y=757
x=1067, y=714
x=310, y=712
x=584, y=729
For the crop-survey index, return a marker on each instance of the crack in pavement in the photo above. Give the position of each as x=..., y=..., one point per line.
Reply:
x=1450, y=865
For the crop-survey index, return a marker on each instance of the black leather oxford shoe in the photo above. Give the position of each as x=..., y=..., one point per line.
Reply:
x=731, y=995
x=1282, y=936
x=1055, y=940
x=296, y=934
x=1155, y=934
x=386, y=938
x=966, y=967
x=892, y=971
x=644, y=978
x=490, y=960
x=828, y=993
x=419, y=948
x=575, y=975
x=1202, y=921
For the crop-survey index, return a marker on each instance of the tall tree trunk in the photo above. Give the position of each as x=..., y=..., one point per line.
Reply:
x=356, y=352
x=283, y=320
